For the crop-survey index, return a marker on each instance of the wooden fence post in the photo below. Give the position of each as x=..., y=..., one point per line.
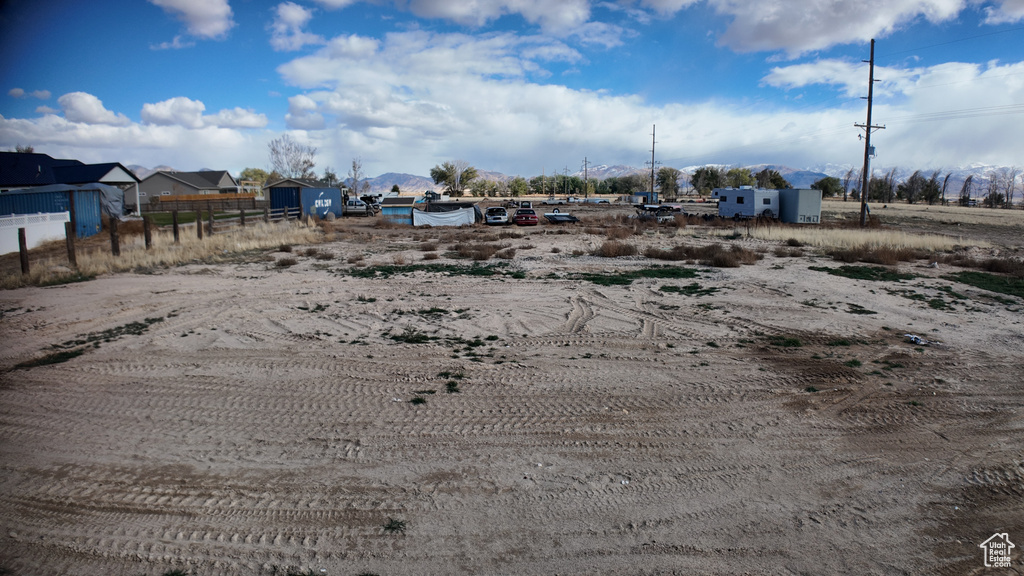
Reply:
x=23, y=250
x=210, y=216
x=199, y=224
x=266, y=214
x=241, y=216
x=69, y=234
x=174, y=221
x=147, y=232
x=115, y=240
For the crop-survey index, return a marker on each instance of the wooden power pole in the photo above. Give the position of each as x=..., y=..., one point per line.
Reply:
x=865, y=173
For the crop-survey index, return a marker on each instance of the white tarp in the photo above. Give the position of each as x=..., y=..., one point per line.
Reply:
x=461, y=217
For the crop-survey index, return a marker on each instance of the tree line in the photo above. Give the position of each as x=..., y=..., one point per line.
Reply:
x=997, y=189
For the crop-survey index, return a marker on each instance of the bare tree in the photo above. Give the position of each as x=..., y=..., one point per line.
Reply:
x=292, y=159
x=965, y=190
x=356, y=178
x=945, y=184
x=846, y=182
x=889, y=185
x=1009, y=184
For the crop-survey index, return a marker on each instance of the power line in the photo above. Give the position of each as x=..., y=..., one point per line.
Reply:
x=976, y=36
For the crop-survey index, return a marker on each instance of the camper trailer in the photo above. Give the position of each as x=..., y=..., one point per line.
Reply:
x=746, y=202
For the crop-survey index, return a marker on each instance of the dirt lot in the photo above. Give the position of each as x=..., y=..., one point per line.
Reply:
x=254, y=418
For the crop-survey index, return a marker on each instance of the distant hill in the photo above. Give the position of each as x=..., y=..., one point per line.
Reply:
x=141, y=172
x=407, y=183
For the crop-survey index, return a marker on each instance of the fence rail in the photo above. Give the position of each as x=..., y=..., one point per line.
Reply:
x=217, y=203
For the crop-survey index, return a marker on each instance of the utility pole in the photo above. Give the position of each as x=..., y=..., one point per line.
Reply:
x=868, y=128
x=653, y=163
x=586, y=181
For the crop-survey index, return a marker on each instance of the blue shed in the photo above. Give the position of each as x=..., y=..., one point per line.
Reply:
x=319, y=201
x=56, y=199
x=398, y=209
x=287, y=193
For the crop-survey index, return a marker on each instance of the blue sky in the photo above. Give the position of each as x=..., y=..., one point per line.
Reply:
x=514, y=86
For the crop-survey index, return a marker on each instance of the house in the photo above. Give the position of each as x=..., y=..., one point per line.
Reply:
x=20, y=170
x=169, y=183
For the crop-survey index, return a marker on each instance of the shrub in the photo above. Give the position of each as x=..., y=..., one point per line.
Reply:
x=618, y=233
x=613, y=249
x=286, y=262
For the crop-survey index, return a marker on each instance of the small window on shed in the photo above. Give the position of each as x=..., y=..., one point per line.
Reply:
x=739, y=199
x=723, y=199
x=766, y=201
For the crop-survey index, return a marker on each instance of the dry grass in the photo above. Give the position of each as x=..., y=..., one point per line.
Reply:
x=478, y=251
x=885, y=255
x=858, y=238
x=134, y=256
x=715, y=255
x=614, y=249
x=997, y=217
x=1009, y=266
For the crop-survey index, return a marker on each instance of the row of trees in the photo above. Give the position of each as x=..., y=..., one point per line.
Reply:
x=291, y=159
x=998, y=189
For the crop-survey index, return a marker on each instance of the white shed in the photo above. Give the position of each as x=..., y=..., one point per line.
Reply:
x=800, y=206
x=746, y=202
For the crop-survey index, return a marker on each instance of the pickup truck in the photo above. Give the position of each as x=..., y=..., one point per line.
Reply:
x=356, y=207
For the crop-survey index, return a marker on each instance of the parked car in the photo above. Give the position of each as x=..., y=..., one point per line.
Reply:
x=496, y=215
x=552, y=201
x=525, y=217
x=597, y=201
x=356, y=207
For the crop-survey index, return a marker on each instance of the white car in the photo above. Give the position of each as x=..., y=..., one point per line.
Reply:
x=496, y=215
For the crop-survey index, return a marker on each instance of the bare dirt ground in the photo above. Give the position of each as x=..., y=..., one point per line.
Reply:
x=250, y=418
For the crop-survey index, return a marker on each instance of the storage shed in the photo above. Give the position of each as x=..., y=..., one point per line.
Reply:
x=746, y=202
x=321, y=201
x=800, y=206
x=288, y=194
x=398, y=209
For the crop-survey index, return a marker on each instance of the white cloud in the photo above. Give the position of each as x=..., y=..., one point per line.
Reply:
x=800, y=26
x=177, y=44
x=134, y=143
x=88, y=109
x=418, y=98
x=187, y=113
x=336, y=4
x=178, y=111
x=287, y=29
x=236, y=118
x=45, y=110
x=203, y=18
x=20, y=93
x=1007, y=11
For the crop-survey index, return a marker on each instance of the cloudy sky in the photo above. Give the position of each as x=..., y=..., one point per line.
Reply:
x=515, y=86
